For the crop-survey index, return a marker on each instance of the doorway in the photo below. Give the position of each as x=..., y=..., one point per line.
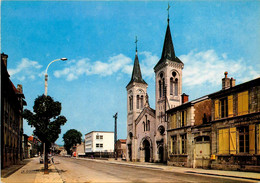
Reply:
x=147, y=154
x=161, y=154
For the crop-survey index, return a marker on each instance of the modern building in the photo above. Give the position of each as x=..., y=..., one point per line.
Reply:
x=12, y=102
x=146, y=127
x=99, y=143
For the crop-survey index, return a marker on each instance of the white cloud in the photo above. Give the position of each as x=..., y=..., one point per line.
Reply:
x=26, y=69
x=84, y=66
x=148, y=63
x=208, y=68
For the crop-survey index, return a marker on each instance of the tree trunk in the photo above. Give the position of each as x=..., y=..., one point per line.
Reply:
x=46, y=171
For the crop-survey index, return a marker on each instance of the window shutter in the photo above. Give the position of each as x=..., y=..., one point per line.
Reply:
x=181, y=118
x=239, y=103
x=220, y=141
x=185, y=118
x=216, y=109
x=245, y=102
x=174, y=121
x=251, y=139
x=230, y=106
x=233, y=140
x=225, y=141
x=258, y=151
x=171, y=145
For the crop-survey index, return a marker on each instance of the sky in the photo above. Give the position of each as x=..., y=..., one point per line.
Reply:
x=98, y=38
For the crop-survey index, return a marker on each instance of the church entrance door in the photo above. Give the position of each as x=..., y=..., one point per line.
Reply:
x=161, y=154
x=147, y=154
x=130, y=151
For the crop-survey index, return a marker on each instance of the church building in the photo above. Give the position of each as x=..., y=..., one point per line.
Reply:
x=146, y=127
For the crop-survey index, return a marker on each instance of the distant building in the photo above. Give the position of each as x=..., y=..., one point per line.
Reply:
x=35, y=144
x=80, y=149
x=99, y=143
x=121, y=148
x=12, y=102
x=25, y=147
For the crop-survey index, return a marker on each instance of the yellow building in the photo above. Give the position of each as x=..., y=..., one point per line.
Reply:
x=235, y=134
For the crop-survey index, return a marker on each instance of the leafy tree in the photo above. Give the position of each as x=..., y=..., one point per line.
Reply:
x=71, y=138
x=46, y=120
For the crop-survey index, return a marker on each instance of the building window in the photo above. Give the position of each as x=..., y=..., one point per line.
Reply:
x=137, y=102
x=148, y=126
x=97, y=136
x=224, y=107
x=160, y=88
x=131, y=103
x=176, y=87
x=174, y=144
x=183, y=118
x=142, y=101
x=97, y=145
x=101, y=137
x=184, y=144
x=244, y=139
x=100, y=145
x=163, y=88
x=144, y=125
x=171, y=86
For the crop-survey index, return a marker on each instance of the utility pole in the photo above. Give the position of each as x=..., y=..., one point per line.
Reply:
x=115, y=135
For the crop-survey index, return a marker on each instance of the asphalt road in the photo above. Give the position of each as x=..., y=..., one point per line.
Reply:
x=77, y=170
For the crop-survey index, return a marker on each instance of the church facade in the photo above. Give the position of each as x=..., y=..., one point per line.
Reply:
x=146, y=127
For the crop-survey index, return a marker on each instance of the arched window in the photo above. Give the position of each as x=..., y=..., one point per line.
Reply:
x=148, y=126
x=176, y=87
x=142, y=102
x=171, y=86
x=130, y=103
x=137, y=101
x=144, y=126
x=163, y=87
x=160, y=90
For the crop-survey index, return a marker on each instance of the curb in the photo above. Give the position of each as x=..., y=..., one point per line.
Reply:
x=166, y=168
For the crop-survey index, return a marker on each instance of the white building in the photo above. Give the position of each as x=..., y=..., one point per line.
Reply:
x=99, y=141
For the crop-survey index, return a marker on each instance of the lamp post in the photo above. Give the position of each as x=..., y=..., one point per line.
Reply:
x=45, y=93
x=46, y=75
x=115, y=136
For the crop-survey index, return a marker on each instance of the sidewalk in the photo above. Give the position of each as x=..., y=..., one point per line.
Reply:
x=231, y=174
x=34, y=172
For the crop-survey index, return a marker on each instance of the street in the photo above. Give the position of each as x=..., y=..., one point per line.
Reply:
x=73, y=170
x=68, y=169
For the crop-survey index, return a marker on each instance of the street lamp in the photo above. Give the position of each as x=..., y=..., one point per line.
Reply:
x=45, y=93
x=46, y=75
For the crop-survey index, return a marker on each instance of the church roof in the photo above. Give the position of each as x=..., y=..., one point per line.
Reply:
x=168, y=49
x=136, y=74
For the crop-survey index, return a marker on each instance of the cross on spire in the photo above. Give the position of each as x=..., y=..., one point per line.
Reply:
x=136, y=43
x=168, y=9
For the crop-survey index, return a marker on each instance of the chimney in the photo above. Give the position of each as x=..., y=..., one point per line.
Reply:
x=184, y=98
x=225, y=82
x=20, y=88
x=4, y=58
x=232, y=82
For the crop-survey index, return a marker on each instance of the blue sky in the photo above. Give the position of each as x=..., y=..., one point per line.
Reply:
x=210, y=37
